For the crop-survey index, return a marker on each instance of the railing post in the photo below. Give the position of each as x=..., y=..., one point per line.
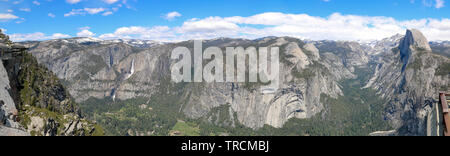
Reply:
x=445, y=113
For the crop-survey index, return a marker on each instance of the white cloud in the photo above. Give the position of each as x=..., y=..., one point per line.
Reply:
x=439, y=3
x=84, y=11
x=333, y=27
x=84, y=28
x=36, y=3
x=172, y=15
x=209, y=24
x=7, y=16
x=36, y=36
x=107, y=13
x=110, y=1
x=73, y=1
x=85, y=33
x=25, y=9
x=20, y=20
x=94, y=10
x=59, y=35
x=162, y=33
x=75, y=12
x=106, y=1
x=51, y=15
x=432, y=3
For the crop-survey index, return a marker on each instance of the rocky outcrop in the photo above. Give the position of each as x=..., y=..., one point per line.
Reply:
x=303, y=82
x=9, y=125
x=409, y=77
x=9, y=114
x=296, y=55
x=4, y=40
x=8, y=110
x=413, y=40
x=384, y=133
x=33, y=101
x=416, y=39
x=8, y=131
x=314, y=51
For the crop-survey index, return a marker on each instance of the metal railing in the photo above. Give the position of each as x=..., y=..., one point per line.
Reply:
x=445, y=101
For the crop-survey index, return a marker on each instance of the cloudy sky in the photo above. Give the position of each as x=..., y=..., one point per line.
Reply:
x=176, y=20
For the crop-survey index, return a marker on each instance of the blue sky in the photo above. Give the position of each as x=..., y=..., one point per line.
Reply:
x=173, y=20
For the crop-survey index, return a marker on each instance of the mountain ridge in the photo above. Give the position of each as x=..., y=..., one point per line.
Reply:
x=97, y=71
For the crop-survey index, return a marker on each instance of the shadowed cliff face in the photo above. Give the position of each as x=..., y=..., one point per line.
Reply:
x=401, y=68
x=9, y=124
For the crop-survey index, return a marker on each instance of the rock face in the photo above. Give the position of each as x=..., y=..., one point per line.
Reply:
x=9, y=126
x=32, y=99
x=305, y=77
x=7, y=105
x=303, y=82
x=298, y=56
x=409, y=77
x=8, y=111
x=415, y=38
x=96, y=70
x=405, y=72
x=314, y=51
x=8, y=131
x=384, y=133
